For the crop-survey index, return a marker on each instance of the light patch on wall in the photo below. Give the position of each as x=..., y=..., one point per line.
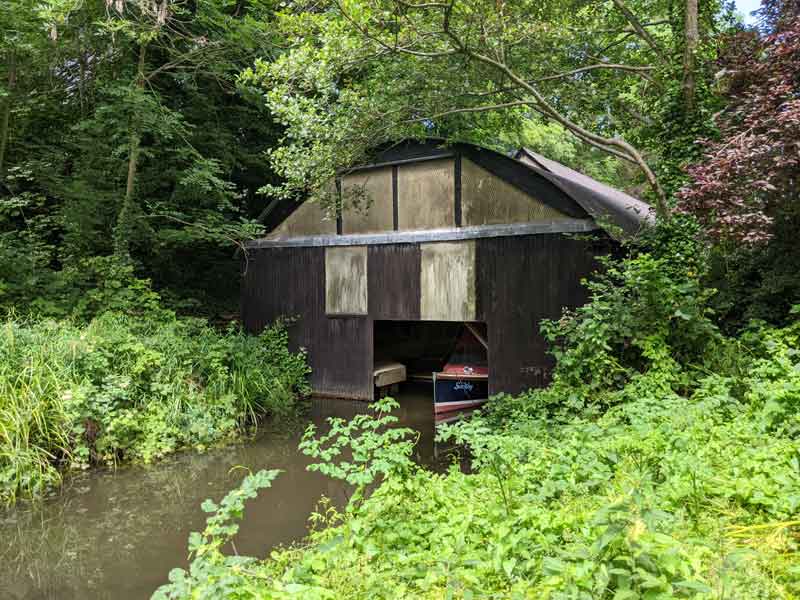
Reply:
x=346, y=280
x=426, y=195
x=488, y=200
x=447, y=281
x=367, y=199
x=309, y=219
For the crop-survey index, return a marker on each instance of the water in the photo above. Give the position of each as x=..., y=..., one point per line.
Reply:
x=117, y=533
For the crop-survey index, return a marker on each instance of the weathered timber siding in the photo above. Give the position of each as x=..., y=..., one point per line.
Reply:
x=523, y=280
x=368, y=201
x=282, y=282
x=346, y=280
x=519, y=281
x=394, y=282
x=447, y=281
x=341, y=357
x=489, y=200
x=290, y=282
x=308, y=219
x=425, y=195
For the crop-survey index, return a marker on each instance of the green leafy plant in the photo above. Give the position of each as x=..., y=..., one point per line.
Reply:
x=363, y=449
x=663, y=496
x=132, y=388
x=212, y=571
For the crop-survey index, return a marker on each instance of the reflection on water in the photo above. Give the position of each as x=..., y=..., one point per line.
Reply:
x=116, y=534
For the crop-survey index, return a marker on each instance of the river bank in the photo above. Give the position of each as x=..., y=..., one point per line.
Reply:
x=131, y=388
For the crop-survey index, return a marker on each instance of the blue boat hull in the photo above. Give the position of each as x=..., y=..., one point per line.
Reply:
x=457, y=393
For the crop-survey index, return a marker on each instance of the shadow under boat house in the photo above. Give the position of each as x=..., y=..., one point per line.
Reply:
x=454, y=236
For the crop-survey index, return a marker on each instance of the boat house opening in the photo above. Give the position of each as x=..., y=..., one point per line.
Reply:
x=456, y=245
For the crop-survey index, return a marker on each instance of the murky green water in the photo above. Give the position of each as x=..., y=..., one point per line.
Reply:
x=117, y=534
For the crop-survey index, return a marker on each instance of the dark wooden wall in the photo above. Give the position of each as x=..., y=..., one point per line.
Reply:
x=520, y=281
x=393, y=282
x=290, y=282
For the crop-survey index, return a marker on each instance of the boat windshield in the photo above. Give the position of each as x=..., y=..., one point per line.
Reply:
x=468, y=351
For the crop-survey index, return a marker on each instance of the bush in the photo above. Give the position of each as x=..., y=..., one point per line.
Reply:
x=131, y=387
x=647, y=315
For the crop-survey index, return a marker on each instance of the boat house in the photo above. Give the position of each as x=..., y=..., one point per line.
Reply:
x=452, y=237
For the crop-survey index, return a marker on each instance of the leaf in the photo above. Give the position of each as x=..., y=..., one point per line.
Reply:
x=695, y=586
x=508, y=566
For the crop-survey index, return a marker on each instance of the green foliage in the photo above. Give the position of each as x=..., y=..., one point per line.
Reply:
x=220, y=573
x=664, y=496
x=103, y=283
x=77, y=97
x=775, y=391
x=554, y=142
x=85, y=285
x=375, y=449
x=758, y=282
x=372, y=71
x=129, y=387
x=648, y=315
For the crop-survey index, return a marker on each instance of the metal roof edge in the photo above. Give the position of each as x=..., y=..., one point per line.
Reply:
x=391, y=163
x=430, y=235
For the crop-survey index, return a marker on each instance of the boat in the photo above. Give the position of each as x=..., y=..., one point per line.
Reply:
x=452, y=416
x=463, y=382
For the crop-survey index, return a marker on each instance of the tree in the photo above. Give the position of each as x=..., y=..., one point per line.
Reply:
x=366, y=71
x=22, y=42
x=691, y=40
x=748, y=177
x=130, y=132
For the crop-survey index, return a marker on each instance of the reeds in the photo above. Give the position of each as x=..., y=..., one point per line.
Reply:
x=125, y=388
x=34, y=430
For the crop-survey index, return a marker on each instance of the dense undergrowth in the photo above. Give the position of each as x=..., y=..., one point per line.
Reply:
x=130, y=387
x=663, y=461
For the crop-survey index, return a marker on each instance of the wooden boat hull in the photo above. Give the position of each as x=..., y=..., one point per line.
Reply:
x=455, y=392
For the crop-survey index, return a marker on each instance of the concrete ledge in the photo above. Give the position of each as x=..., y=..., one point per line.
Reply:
x=429, y=235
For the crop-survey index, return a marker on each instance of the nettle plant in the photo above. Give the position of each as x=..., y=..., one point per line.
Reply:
x=375, y=448
x=649, y=315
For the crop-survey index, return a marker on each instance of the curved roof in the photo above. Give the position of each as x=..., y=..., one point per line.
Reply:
x=601, y=201
x=579, y=199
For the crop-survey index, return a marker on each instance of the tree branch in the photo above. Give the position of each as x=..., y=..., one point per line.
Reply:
x=366, y=33
x=474, y=109
x=630, y=68
x=640, y=30
x=631, y=29
x=591, y=138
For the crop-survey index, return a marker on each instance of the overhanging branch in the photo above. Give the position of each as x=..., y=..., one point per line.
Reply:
x=640, y=30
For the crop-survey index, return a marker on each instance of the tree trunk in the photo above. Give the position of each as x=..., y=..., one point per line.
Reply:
x=82, y=72
x=691, y=39
x=124, y=227
x=5, y=118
